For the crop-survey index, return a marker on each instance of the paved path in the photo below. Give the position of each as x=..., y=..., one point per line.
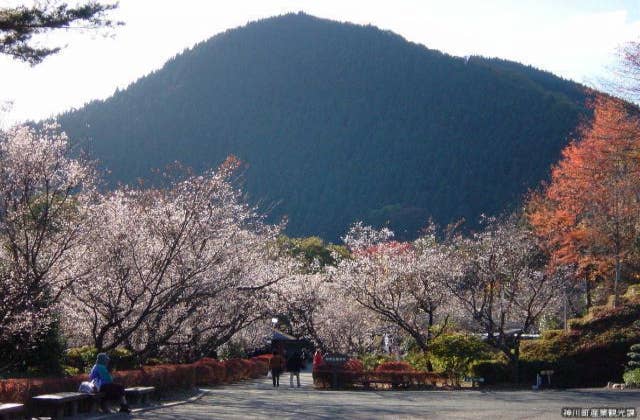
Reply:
x=258, y=399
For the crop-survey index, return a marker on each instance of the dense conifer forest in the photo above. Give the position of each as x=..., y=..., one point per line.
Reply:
x=338, y=122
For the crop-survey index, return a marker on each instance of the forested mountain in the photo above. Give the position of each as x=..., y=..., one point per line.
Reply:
x=337, y=122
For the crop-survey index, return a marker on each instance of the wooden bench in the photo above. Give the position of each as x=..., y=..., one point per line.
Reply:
x=57, y=405
x=139, y=394
x=10, y=411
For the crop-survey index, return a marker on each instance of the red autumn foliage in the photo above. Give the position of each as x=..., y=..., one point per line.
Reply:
x=205, y=372
x=238, y=369
x=210, y=371
x=394, y=367
x=388, y=374
x=354, y=365
x=407, y=378
x=588, y=214
x=22, y=389
x=265, y=357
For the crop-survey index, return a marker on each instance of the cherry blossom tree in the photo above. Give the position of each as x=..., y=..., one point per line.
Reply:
x=316, y=307
x=403, y=284
x=504, y=286
x=43, y=196
x=255, y=266
x=179, y=269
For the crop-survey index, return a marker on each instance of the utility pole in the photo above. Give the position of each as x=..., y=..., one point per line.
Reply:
x=564, y=307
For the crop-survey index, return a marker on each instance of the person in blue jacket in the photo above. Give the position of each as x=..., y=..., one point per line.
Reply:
x=102, y=379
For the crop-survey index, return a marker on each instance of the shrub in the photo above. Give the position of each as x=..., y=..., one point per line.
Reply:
x=164, y=377
x=266, y=357
x=585, y=364
x=210, y=372
x=353, y=365
x=46, y=357
x=493, y=371
x=632, y=377
x=260, y=366
x=453, y=354
x=154, y=361
x=238, y=369
x=371, y=361
x=595, y=351
x=323, y=378
x=605, y=318
x=551, y=334
x=122, y=359
x=633, y=292
x=233, y=350
x=549, y=323
x=14, y=390
x=40, y=355
x=552, y=346
x=70, y=370
x=393, y=366
x=81, y=358
x=634, y=357
x=418, y=360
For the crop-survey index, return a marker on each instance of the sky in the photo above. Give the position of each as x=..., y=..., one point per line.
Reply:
x=575, y=39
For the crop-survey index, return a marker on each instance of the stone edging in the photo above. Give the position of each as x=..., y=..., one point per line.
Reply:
x=154, y=407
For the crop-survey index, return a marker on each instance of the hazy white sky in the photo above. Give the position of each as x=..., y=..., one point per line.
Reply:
x=575, y=39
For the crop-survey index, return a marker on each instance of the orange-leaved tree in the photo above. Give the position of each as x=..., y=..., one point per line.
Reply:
x=589, y=213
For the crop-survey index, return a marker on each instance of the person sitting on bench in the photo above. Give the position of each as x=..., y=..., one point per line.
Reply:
x=104, y=382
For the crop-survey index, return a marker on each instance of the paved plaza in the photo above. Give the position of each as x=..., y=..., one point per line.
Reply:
x=258, y=399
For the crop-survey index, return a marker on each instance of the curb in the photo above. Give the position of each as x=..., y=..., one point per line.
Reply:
x=200, y=394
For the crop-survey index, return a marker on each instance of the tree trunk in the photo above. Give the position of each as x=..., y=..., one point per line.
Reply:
x=564, y=308
x=429, y=364
x=587, y=292
x=429, y=326
x=424, y=348
x=616, y=281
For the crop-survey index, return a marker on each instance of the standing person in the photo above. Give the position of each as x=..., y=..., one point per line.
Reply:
x=101, y=377
x=317, y=359
x=275, y=365
x=294, y=364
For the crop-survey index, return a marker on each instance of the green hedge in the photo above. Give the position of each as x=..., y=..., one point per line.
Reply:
x=82, y=359
x=632, y=377
x=371, y=361
x=493, y=371
x=592, y=353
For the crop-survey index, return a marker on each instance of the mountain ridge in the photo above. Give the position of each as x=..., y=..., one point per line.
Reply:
x=339, y=122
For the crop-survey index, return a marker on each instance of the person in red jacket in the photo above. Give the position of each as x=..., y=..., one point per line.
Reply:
x=318, y=360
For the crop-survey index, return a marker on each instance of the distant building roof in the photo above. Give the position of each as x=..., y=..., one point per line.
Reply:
x=280, y=336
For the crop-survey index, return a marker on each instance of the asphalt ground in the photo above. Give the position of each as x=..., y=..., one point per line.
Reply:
x=258, y=399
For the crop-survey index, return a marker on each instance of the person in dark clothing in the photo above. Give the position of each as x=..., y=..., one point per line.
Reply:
x=102, y=379
x=275, y=365
x=294, y=365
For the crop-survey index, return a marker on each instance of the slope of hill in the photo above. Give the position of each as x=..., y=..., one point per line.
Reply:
x=594, y=349
x=338, y=122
